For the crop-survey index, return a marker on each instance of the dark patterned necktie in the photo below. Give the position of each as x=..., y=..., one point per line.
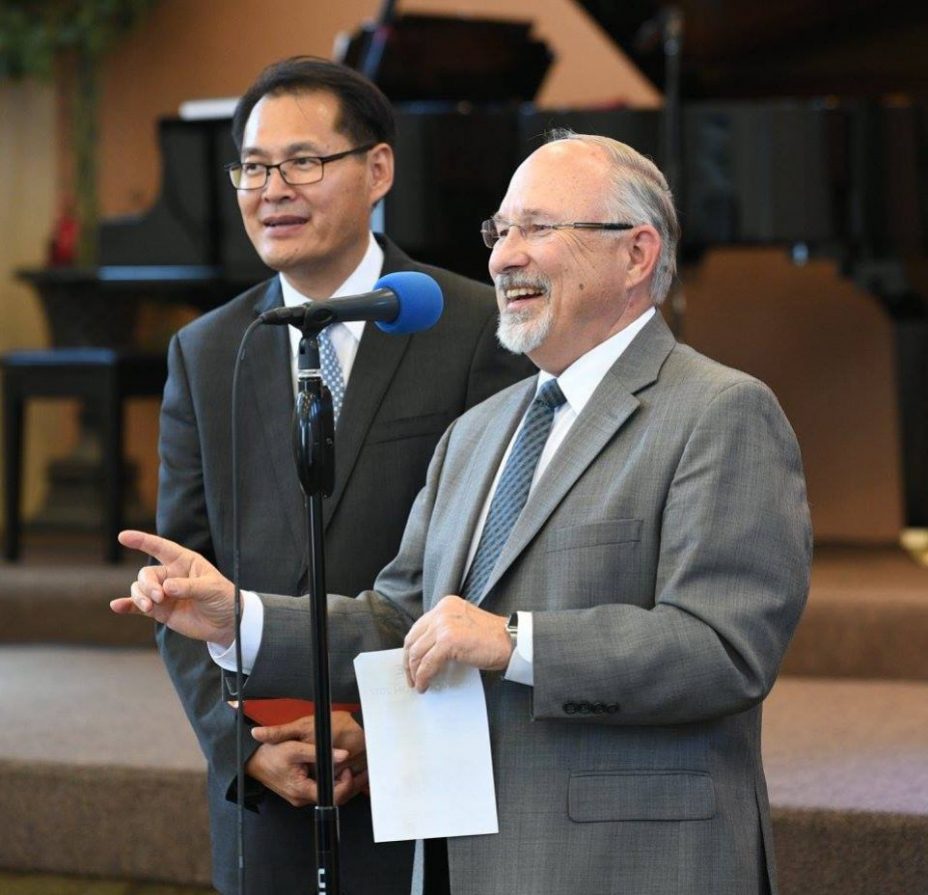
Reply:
x=331, y=370
x=514, y=484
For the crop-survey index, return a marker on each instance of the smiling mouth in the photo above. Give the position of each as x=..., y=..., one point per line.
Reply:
x=289, y=221
x=515, y=295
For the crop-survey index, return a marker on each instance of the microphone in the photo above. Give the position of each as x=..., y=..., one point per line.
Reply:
x=403, y=302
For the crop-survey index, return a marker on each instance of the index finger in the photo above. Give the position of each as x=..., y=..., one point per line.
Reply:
x=162, y=549
x=303, y=729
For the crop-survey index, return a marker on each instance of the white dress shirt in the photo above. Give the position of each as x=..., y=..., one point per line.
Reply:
x=345, y=337
x=577, y=382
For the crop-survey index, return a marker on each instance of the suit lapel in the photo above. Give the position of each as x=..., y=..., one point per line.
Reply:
x=375, y=365
x=607, y=411
x=488, y=448
x=268, y=389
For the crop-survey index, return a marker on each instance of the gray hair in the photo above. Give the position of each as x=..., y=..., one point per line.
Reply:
x=640, y=194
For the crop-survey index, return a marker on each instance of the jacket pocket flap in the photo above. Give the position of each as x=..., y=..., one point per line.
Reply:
x=433, y=424
x=595, y=796
x=609, y=531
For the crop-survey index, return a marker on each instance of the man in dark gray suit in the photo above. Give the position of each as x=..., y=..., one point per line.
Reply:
x=623, y=544
x=315, y=142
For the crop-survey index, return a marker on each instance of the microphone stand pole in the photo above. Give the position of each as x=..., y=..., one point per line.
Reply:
x=313, y=448
x=672, y=28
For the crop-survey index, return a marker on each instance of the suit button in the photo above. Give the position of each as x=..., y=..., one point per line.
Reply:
x=598, y=708
x=612, y=708
x=584, y=708
x=570, y=708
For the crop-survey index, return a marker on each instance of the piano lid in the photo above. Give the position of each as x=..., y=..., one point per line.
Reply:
x=457, y=59
x=733, y=49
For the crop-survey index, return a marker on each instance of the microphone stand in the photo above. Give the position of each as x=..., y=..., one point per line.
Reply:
x=313, y=434
x=672, y=28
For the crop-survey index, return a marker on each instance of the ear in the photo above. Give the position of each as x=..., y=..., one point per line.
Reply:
x=379, y=172
x=644, y=247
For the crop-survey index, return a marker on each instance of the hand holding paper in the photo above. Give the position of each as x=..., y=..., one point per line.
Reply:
x=431, y=773
x=454, y=630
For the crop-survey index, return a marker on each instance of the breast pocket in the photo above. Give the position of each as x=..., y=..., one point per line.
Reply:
x=595, y=563
x=425, y=425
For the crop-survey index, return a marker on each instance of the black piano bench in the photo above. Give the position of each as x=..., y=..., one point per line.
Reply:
x=100, y=377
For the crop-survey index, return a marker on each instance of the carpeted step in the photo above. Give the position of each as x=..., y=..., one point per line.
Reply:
x=847, y=771
x=867, y=616
x=100, y=774
x=44, y=602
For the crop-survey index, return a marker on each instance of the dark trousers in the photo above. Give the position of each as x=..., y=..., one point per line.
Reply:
x=436, y=867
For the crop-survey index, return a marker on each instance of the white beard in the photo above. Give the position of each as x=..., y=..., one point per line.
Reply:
x=523, y=331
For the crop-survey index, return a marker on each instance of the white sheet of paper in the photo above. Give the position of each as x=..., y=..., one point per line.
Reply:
x=428, y=754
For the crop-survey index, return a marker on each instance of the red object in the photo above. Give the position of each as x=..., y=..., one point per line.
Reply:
x=62, y=250
x=282, y=711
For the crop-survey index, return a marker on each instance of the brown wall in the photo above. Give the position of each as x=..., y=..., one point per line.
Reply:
x=27, y=148
x=822, y=345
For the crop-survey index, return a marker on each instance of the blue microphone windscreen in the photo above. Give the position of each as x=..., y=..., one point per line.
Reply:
x=419, y=298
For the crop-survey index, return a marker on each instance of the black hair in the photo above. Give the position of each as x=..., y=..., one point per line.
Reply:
x=365, y=114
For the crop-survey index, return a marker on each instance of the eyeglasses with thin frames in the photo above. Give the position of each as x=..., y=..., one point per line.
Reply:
x=300, y=171
x=495, y=229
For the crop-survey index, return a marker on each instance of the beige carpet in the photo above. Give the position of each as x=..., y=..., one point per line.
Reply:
x=44, y=884
x=867, y=616
x=100, y=774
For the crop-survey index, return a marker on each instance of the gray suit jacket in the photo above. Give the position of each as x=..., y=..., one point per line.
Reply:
x=665, y=553
x=403, y=393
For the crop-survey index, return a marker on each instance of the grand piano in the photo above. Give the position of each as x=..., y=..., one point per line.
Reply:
x=799, y=124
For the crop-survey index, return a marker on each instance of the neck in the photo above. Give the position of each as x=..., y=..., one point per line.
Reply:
x=555, y=359
x=319, y=283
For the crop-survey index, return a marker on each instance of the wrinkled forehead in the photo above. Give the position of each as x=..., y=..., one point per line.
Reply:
x=564, y=180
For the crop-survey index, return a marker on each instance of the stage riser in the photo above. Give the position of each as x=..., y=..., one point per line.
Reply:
x=117, y=823
x=858, y=638
x=837, y=853
x=100, y=773
x=68, y=603
x=867, y=615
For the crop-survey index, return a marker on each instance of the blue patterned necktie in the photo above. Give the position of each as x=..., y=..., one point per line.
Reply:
x=514, y=484
x=331, y=370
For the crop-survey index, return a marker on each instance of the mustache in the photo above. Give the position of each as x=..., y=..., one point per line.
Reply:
x=537, y=282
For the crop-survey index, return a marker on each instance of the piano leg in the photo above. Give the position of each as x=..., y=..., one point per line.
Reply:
x=912, y=374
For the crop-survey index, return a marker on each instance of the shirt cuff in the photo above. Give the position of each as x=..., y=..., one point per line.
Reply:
x=521, y=669
x=252, y=628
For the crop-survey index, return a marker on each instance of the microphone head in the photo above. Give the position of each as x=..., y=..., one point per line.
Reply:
x=419, y=298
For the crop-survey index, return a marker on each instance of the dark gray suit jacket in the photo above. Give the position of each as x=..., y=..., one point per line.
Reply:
x=403, y=393
x=664, y=554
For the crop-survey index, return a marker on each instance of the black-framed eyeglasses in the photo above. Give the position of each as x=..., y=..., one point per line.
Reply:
x=495, y=229
x=299, y=171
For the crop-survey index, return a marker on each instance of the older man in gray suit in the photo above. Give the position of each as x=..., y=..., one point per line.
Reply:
x=631, y=536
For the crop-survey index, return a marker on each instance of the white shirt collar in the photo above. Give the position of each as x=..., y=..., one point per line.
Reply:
x=581, y=378
x=359, y=281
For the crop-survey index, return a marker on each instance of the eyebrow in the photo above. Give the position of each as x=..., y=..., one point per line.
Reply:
x=525, y=213
x=289, y=151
